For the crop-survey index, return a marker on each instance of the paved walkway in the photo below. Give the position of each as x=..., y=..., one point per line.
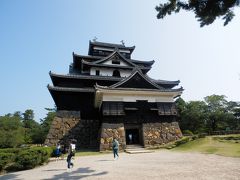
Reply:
x=159, y=165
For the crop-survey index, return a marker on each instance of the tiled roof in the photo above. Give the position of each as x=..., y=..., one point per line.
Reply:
x=142, y=62
x=96, y=58
x=138, y=89
x=107, y=65
x=166, y=82
x=79, y=76
x=55, y=88
x=116, y=52
x=87, y=56
x=110, y=45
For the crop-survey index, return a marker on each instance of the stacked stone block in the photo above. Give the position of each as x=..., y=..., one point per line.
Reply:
x=110, y=131
x=160, y=133
x=68, y=125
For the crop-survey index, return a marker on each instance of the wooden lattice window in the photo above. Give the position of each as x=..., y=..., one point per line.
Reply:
x=166, y=109
x=113, y=108
x=160, y=109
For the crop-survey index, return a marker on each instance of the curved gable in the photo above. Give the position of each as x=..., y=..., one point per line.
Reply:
x=115, y=56
x=137, y=80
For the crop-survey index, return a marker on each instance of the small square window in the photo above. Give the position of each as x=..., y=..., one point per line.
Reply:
x=116, y=61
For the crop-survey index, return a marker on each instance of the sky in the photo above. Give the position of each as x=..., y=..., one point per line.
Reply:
x=39, y=36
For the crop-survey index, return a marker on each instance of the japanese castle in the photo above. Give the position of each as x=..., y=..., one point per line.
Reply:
x=107, y=94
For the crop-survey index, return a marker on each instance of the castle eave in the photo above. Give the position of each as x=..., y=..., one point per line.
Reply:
x=80, y=76
x=55, y=88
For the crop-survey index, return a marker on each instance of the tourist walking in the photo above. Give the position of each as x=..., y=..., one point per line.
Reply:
x=115, y=146
x=71, y=153
x=58, y=151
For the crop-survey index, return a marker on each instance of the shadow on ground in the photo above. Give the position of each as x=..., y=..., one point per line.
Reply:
x=74, y=174
x=55, y=170
x=78, y=174
x=9, y=176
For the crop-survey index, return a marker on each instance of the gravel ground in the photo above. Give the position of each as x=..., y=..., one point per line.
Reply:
x=158, y=165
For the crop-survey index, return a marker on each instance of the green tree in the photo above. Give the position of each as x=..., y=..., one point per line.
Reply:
x=37, y=135
x=236, y=113
x=217, y=112
x=18, y=128
x=47, y=121
x=11, y=131
x=206, y=11
x=18, y=114
x=213, y=114
x=181, y=105
x=31, y=127
x=233, y=108
x=28, y=118
x=193, y=116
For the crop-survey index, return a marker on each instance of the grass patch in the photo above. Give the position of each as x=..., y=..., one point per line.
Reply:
x=173, y=144
x=220, y=145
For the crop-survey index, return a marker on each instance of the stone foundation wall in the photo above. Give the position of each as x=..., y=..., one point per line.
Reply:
x=160, y=133
x=108, y=132
x=68, y=125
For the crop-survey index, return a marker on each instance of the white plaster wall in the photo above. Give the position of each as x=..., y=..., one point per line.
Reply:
x=134, y=98
x=125, y=73
x=93, y=71
x=109, y=72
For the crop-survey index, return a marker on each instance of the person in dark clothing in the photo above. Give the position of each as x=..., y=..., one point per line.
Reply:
x=69, y=162
x=115, y=146
x=71, y=153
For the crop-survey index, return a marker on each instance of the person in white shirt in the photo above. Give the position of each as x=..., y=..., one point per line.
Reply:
x=71, y=153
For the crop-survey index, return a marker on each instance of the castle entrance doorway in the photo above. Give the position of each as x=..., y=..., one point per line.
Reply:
x=133, y=134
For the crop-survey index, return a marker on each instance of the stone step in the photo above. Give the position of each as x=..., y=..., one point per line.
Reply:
x=134, y=146
x=135, y=149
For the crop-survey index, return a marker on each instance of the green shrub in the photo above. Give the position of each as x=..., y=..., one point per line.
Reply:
x=44, y=152
x=30, y=158
x=12, y=159
x=202, y=135
x=6, y=159
x=187, y=132
x=195, y=137
x=27, y=159
x=182, y=141
x=11, y=150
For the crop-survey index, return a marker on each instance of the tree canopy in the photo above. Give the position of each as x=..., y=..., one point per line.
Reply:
x=206, y=11
x=21, y=128
x=47, y=121
x=215, y=113
x=11, y=131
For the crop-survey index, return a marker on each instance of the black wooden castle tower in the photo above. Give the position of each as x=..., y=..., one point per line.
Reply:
x=108, y=94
